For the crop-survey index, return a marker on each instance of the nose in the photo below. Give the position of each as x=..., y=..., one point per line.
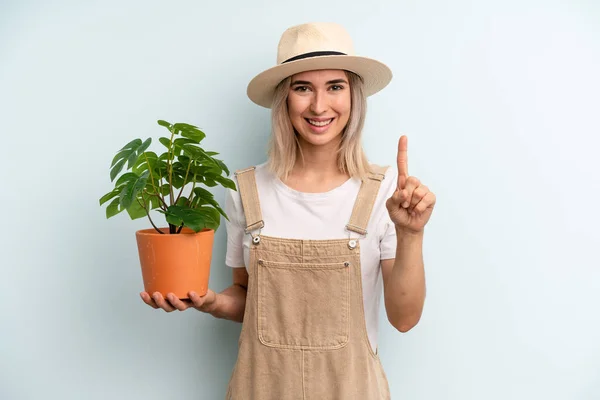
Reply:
x=318, y=105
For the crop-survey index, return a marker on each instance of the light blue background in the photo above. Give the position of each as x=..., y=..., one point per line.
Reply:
x=499, y=100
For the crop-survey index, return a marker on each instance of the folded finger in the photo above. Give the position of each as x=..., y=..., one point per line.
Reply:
x=417, y=196
x=197, y=301
x=162, y=303
x=427, y=201
x=177, y=303
x=148, y=300
x=411, y=184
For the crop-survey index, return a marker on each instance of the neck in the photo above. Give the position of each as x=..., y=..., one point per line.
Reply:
x=320, y=159
x=316, y=170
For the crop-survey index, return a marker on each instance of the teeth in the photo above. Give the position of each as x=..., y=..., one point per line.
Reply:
x=319, y=123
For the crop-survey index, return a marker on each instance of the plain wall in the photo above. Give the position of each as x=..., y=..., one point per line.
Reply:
x=500, y=103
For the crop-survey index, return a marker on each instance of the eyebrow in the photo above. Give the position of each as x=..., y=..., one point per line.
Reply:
x=328, y=83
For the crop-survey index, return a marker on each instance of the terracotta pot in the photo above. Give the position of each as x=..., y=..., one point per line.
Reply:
x=175, y=263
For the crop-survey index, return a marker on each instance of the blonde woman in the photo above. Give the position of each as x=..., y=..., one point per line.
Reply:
x=317, y=234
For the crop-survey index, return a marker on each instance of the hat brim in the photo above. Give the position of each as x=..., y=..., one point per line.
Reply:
x=375, y=75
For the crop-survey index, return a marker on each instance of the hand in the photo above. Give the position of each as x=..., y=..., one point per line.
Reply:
x=171, y=303
x=412, y=203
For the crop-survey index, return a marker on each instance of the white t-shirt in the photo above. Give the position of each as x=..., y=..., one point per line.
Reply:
x=290, y=214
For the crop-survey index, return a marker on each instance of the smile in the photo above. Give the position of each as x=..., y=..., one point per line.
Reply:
x=319, y=123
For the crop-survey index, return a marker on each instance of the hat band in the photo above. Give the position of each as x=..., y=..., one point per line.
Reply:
x=314, y=54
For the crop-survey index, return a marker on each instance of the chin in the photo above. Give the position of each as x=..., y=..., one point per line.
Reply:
x=320, y=139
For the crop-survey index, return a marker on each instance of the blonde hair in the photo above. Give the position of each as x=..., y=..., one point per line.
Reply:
x=284, y=146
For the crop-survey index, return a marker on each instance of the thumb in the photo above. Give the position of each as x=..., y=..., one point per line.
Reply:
x=202, y=301
x=395, y=200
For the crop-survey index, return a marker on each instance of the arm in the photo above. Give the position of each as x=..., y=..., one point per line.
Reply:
x=409, y=208
x=231, y=303
x=404, y=281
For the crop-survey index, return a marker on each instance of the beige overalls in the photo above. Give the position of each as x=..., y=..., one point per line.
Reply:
x=304, y=335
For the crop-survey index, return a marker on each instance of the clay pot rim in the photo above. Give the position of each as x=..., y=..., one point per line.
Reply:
x=184, y=231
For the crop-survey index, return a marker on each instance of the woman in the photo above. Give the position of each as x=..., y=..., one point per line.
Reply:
x=316, y=232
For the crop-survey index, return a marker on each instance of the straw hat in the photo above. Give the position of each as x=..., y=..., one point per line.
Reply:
x=316, y=46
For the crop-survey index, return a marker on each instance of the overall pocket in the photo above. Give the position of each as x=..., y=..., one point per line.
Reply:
x=303, y=306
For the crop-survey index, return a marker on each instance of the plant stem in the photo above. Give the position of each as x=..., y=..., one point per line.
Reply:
x=159, y=198
x=184, y=179
x=148, y=214
x=170, y=158
x=160, y=192
x=151, y=174
x=189, y=202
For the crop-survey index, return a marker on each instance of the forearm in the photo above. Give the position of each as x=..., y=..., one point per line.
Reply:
x=230, y=303
x=405, y=289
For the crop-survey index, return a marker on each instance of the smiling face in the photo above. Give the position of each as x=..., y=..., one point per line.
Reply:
x=319, y=105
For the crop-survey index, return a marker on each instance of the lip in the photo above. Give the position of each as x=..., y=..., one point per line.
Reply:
x=321, y=119
x=319, y=129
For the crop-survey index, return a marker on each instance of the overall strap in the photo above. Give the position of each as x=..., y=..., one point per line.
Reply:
x=250, y=201
x=365, y=200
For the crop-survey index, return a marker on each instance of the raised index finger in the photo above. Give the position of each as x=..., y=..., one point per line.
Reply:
x=402, y=161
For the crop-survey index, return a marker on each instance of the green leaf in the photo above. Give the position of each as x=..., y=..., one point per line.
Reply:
x=133, y=144
x=182, y=201
x=125, y=178
x=109, y=195
x=213, y=214
x=164, y=189
x=181, y=141
x=216, y=205
x=147, y=160
x=144, y=146
x=181, y=125
x=222, y=165
x=113, y=208
x=164, y=123
x=131, y=160
x=203, y=193
x=204, y=170
x=209, y=182
x=136, y=210
x=193, y=152
x=116, y=169
x=196, y=219
x=191, y=132
x=185, y=160
x=121, y=154
x=165, y=142
x=154, y=202
x=177, y=181
x=226, y=182
x=203, y=196
x=128, y=153
x=131, y=190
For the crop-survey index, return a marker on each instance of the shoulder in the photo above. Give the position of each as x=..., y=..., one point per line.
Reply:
x=259, y=170
x=263, y=177
x=261, y=174
x=390, y=177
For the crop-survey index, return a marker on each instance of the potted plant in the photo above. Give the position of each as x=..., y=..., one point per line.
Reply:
x=174, y=258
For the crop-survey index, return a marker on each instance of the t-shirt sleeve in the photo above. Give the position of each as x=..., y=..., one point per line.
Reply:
x=387, y=244
x=234, y=256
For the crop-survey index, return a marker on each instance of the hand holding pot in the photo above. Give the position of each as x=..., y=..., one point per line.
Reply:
x=171, y=302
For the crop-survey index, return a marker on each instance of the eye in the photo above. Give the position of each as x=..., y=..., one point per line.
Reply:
x=301, y=89
x=337, y=87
